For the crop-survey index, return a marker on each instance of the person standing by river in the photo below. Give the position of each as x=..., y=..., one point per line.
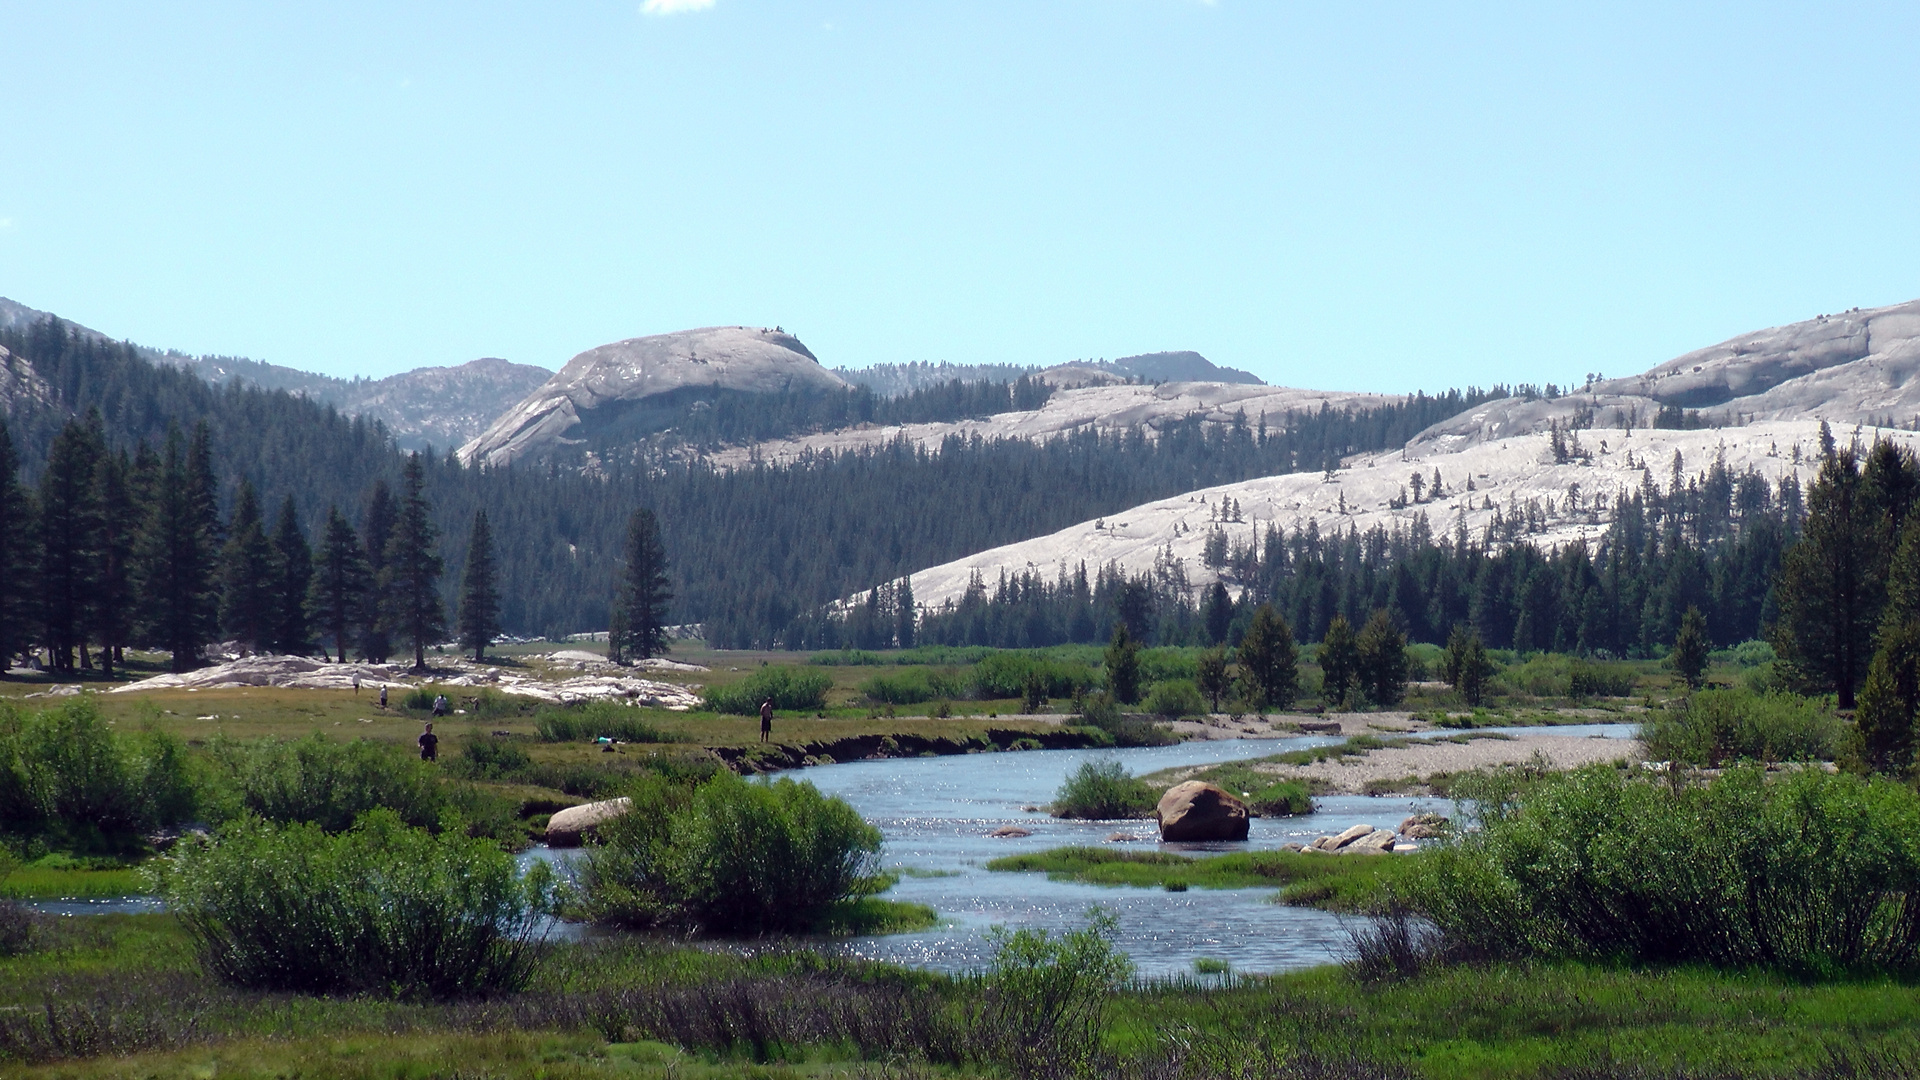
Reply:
x=766, y=719
x=429, y=744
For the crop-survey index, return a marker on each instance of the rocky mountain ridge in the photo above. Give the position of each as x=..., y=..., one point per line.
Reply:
x=428, y=406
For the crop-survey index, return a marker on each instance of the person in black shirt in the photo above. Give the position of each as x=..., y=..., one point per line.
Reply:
x=429, y=744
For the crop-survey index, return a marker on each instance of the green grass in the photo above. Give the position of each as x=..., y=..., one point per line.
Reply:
x=874, y=915
x=34, y=882
x=1265, y=794
x=1333, y=882
x=1499, y=1021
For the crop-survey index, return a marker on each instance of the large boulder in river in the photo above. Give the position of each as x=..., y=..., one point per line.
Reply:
x=571, y=827
x=1200, y=811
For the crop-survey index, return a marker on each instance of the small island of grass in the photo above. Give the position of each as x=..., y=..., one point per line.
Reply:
x=1334, y=883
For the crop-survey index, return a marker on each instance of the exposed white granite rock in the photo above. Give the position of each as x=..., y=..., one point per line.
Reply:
x=728, y=357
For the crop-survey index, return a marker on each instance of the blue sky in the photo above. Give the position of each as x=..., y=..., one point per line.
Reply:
x=1349, y=196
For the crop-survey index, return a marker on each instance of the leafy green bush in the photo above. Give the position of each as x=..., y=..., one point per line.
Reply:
x=910, y=686
x=1046, y=998
x=1810, y=873
x=1588, y=679
x=68, y=779
x=1005, y=674
x=1553, y=675
x=487, y=757
x=324, y=782
x=380, y=909
x=1175, y=698
x=601, y=719
x=730, y=856
x=1716, y=726
x=1103, y=789
x=789, y=687
x=1168, y=662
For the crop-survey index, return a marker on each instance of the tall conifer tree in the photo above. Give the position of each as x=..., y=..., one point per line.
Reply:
x=411, y=578
x=177, y=550
x=340, y=581
x=1827, y=590
x=70, y=540
x=644, y=591
x=376, y=529
x=113, y=612
x=293, y=575
x=1270, y=659
x=247, y=592
x=18, y=556
x=906, y=615
x=479, y=598
x=1339, y=662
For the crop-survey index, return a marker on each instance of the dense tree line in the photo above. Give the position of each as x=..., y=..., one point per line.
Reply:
x=117, y=550
x=1713, y=542
x=753, y=553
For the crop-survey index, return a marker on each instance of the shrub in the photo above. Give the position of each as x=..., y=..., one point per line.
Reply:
x=66, y=776
x=382, y=908
x=486, y=757
x=730, y=856
x=1005, y=675
x=789, y=687
x=907, y=687
x=601, y=719
x=1812, y=873
x=1587, y=679
x=1175, y=698
x=1045, y=998
x=1716, y=726
x=1103, y=789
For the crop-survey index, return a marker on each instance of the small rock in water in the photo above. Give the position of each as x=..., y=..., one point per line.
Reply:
x=1121, y=838
x=1006, y=832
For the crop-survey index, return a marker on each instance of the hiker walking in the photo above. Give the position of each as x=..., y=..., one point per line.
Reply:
x=383, y=695
x=356, y=684
x=766, y=719
x=429, y=744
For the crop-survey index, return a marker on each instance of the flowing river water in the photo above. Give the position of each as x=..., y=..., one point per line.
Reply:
x=934, y=814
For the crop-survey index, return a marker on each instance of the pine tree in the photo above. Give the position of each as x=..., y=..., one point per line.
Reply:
x=1467, y=667
x=293, y=580
x=1270, y=659
x=120, y=516
x=340, y=581
x=1339, y=663
x=1890, y=701
x=1123, y=665
x=1826, y=589
x=70, y=540
x=1219, y=613
x=247, y=585
x=376, y=530
x=176, y=551
x=1690, y=648
x=18, y=551
x=1382, y=652
x=411, y=577
x=906, y=615
x=1210, y=675
x=479, y=599
x=644, y=591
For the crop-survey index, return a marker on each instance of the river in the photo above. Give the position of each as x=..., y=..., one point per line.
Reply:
x=934, y=814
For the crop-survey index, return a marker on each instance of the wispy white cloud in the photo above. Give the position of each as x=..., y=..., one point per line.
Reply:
x=674, y=7
x=5, y=223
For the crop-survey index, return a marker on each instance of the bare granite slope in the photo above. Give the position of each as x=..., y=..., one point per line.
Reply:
x=1855, y=367
x=728, y=357
x=1570, y=498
